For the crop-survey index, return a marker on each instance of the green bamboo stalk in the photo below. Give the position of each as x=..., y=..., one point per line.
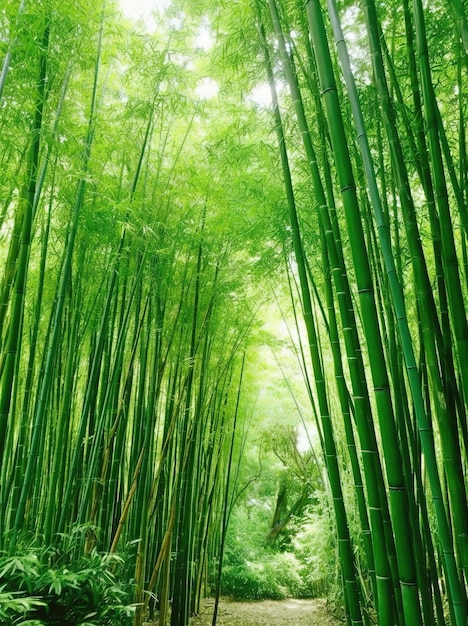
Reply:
x=112, y=469
x=447, y=387
x=451, y=271
x=373, y=474
x=212, y=461
x=346, y=410
x=225, y=507
x=62, y=436
x=346, y=554
x=17, y=467
x=11, y=46
x=444, y=381
x=144, y=422
x=390, y=443
x=406, y=341
x=4, y=213
x=14, y=339
x=111, y=398
x=462, y=24
x=45, y=383
x=182, y=581
x=162, y=500
x=9, y=277
x=88, y=409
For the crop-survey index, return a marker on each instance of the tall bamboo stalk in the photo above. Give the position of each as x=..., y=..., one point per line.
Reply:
x=346, y=553
x=406, y=341
x=14, y=338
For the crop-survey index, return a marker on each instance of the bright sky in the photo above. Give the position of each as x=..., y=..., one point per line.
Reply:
x=207, y=88
x=142, y=8
x=261, y=94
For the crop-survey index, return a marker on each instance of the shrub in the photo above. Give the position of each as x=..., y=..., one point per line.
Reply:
x=315, y=549
x=285, y=568
x=84, y=592
x=14, y=607
x=275, y=578
x=249, y=582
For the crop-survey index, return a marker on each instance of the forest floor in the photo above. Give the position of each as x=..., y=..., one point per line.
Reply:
x=266, y=613
x=290, y=612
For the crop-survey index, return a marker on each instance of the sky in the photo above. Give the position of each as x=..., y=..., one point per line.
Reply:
x=142, y=8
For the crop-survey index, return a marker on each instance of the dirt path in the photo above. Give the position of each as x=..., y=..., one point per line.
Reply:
x=267, y=613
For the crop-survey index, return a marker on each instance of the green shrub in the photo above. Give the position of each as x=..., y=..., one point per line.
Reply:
x=37, y=588
x=14, y=607
x=314, y=546
x=285, y=569
x=250, y=581
x=277, y=577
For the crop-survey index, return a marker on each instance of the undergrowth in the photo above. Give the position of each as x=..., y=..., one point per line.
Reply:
x=53, y=586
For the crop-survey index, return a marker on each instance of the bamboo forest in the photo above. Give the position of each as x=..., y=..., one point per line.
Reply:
x=233, y=311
